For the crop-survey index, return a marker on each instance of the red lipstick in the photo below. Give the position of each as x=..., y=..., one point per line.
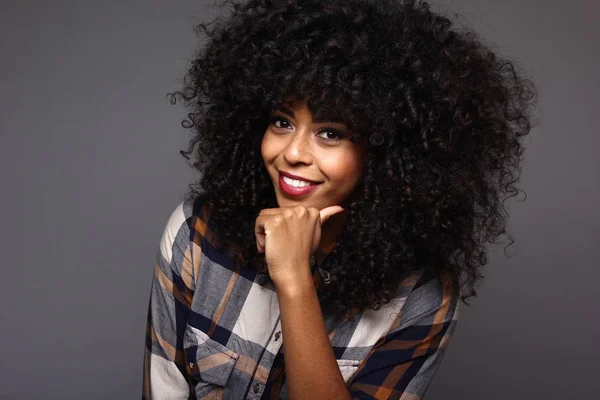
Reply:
x=295, y=191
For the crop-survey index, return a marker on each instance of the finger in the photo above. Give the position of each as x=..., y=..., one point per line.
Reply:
x=259, y=234
x=327, y=212
x=271, y=211
x=260, y=243
x=263, y=226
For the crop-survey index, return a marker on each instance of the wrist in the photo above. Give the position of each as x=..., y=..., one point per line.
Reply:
x=299, y=283
x=296, y=290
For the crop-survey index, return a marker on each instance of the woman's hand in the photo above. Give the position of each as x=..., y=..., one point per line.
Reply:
x=289, y=236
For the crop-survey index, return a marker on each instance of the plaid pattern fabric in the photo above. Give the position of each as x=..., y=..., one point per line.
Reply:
x=214, y=333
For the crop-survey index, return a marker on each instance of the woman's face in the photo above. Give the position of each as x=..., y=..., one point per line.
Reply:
x=310, y=163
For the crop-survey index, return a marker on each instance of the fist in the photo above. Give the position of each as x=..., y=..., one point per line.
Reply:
x=289, y=236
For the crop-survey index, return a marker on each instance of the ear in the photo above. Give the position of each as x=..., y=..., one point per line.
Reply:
x=328, y=212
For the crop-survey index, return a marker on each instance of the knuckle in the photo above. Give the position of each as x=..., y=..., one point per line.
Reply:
x=300, y=209
x=313, y=211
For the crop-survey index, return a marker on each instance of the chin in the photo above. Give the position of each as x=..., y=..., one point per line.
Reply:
x=284, y=202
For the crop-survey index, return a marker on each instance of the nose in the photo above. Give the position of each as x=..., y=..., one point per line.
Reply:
x=298, y=150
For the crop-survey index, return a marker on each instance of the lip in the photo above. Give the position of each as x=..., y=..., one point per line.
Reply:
x=295, y=191
x=291, y=176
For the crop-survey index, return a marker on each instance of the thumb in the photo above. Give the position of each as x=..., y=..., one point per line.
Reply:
x=328, y=212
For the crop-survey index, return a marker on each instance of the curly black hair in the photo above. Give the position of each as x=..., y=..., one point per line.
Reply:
x=443, y=116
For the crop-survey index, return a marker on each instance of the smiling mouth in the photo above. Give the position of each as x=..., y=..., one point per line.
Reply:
x=297, y=183
x=295, y=187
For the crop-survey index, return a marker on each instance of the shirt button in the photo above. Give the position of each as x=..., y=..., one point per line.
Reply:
x=191, y=365
x=277, y=335
x=255, y=388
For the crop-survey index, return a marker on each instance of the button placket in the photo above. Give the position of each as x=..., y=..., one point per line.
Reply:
x=273, y=347
x=276, y=340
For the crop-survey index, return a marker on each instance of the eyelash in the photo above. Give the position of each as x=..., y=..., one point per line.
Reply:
x=274, y=120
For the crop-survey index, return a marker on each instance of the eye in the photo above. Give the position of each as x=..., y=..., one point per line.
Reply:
x=279, y=122
x=330, y=134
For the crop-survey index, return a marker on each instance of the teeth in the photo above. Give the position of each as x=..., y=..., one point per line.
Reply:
x=295, y=182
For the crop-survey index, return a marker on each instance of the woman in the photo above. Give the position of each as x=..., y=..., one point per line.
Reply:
x=354, y=159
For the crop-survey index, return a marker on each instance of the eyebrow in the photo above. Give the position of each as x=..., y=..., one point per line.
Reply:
x=317, y=118
x=285, y=110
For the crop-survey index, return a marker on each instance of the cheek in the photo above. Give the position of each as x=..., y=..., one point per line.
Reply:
x=266, y=149
x=346, y=168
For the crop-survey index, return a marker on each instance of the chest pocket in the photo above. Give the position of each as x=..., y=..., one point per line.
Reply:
x=208, y=362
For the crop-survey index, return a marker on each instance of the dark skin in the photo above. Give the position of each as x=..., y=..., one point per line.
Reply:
x=311, y=367
x=321, y=152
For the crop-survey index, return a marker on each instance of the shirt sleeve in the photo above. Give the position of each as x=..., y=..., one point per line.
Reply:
x=404, y=360
x=170, y=300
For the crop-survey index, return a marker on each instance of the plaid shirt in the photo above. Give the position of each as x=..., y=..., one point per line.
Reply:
x=214, y=333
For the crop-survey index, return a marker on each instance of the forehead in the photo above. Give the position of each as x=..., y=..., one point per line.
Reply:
x=320, y=111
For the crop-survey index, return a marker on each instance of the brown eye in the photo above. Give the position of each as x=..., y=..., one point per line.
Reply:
x=279, y=122
x=329, y=134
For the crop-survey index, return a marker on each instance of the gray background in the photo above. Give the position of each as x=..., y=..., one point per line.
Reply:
x=90, y=171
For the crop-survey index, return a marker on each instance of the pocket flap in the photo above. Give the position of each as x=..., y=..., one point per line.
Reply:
x=207, y=360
